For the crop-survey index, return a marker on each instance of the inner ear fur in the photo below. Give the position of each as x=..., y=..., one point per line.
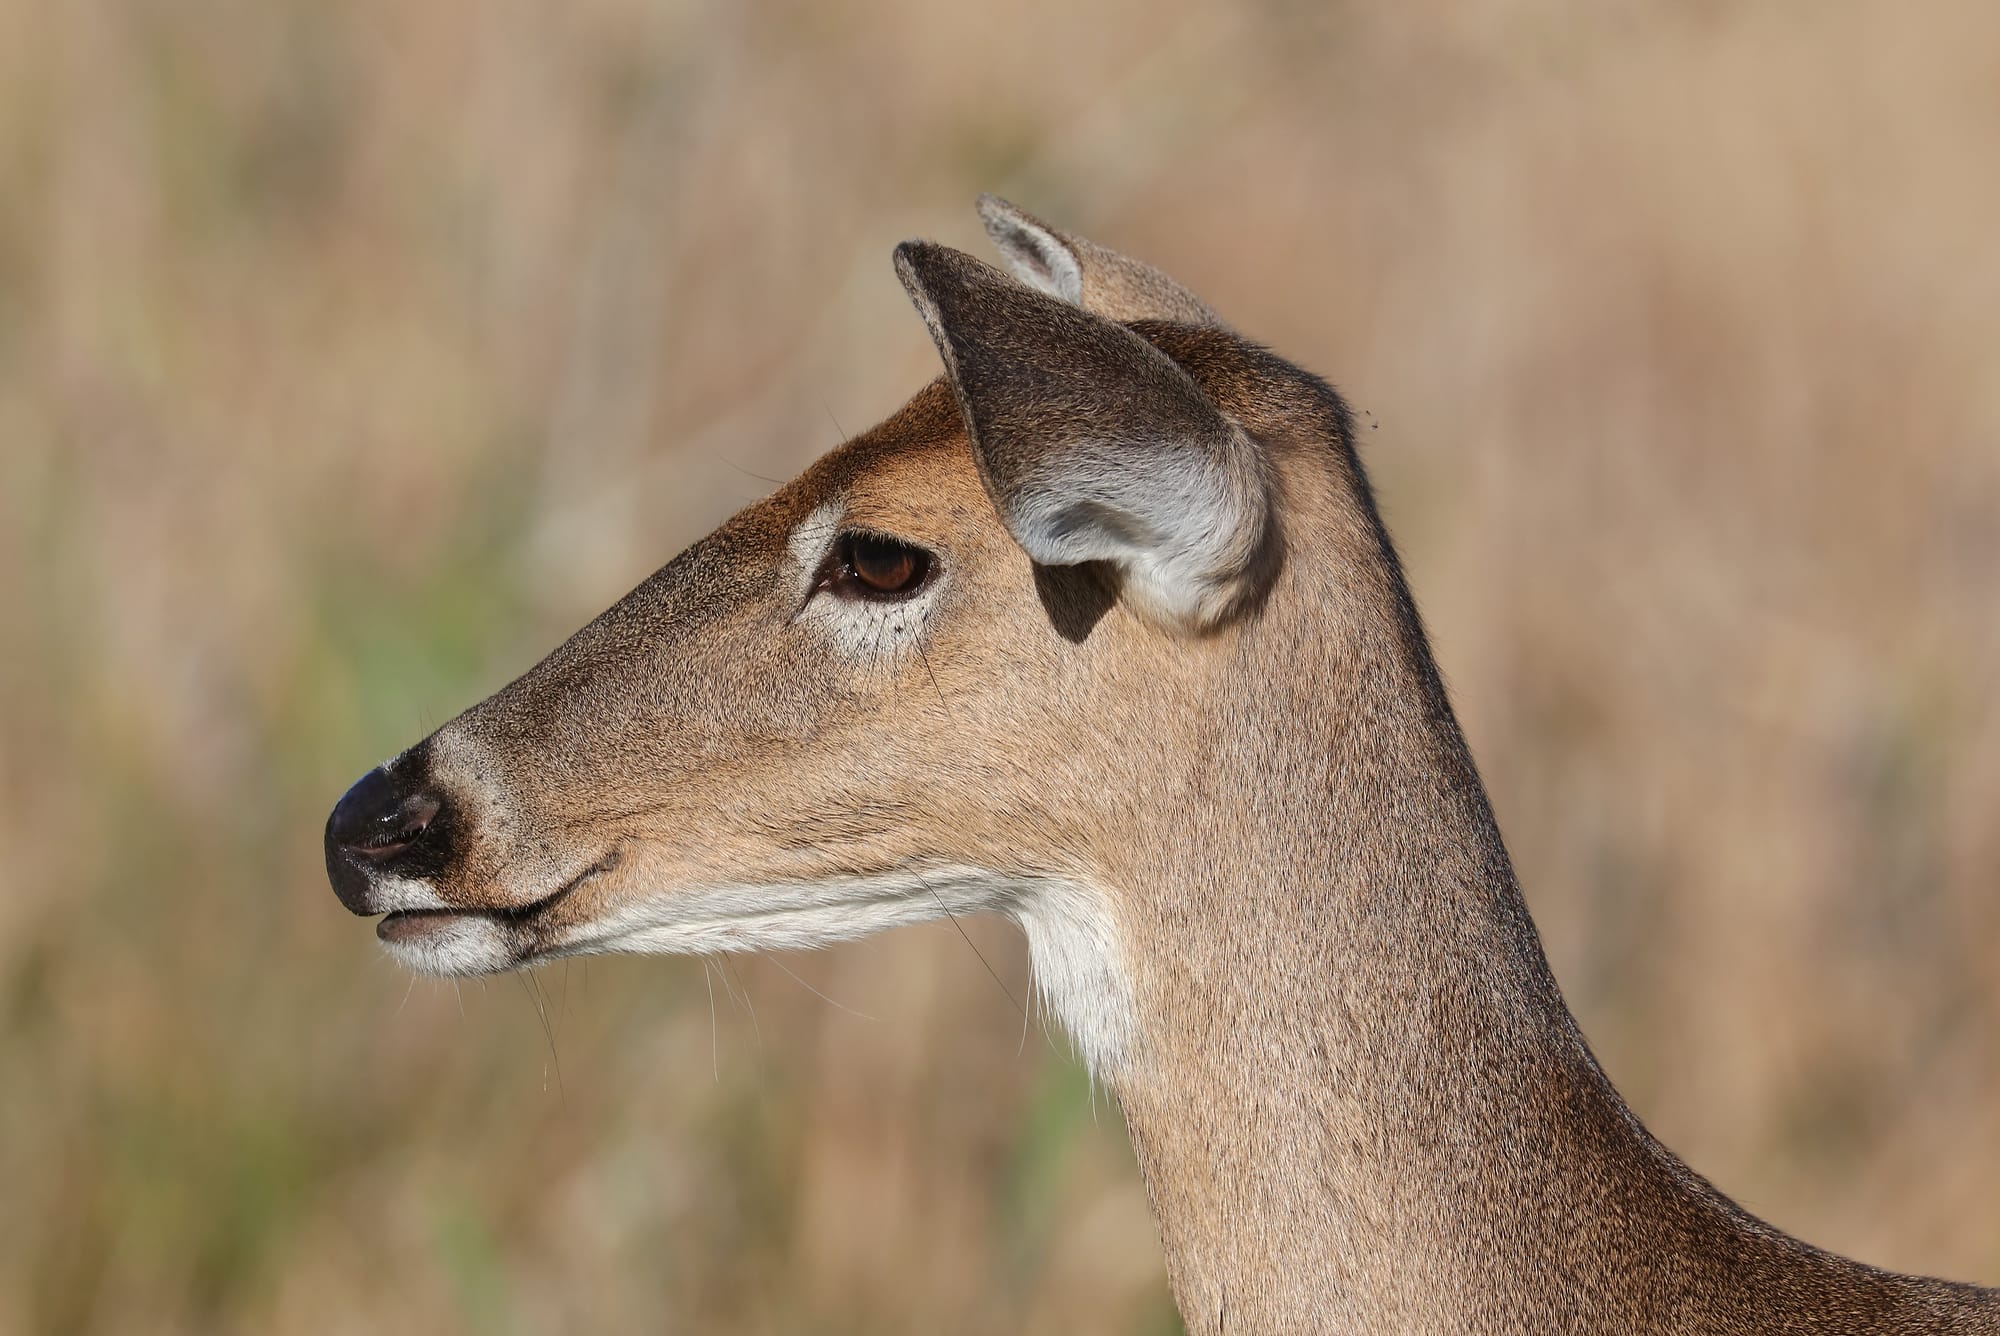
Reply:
x=1083, y=273
x=1093, y=444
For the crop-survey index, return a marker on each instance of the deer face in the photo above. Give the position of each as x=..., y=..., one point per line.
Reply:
x=859, y=702
x=774, y=741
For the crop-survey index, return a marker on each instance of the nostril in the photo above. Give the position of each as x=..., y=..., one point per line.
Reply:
x=399, y=829
x=374, y=820
x=407, y=822
x=418, y=813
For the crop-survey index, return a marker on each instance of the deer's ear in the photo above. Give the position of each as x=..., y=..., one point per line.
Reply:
x=1093, y=444
x=1084, y=273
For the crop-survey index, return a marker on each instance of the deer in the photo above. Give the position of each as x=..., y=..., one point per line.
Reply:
x=1102, y=631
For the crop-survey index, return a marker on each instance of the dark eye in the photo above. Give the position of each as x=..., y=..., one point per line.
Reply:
x=869, y=566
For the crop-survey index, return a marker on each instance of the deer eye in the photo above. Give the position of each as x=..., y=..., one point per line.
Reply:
x=870, y=566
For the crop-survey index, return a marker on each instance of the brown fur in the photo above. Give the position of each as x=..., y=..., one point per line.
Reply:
x=1357, y=1097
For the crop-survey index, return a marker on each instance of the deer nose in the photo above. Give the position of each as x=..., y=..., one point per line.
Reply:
x=373, y=826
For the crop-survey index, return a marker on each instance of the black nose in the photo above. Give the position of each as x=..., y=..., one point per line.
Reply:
x=377, y=826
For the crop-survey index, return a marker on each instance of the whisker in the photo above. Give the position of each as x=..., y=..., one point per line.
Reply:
x=714, y=1053
x=1023, y=1048
x=969, y=942
x=727, y=991
x=751, y=1006
x=541, y=1014
x=730, y=463
x=817, y=993
x=931, y=673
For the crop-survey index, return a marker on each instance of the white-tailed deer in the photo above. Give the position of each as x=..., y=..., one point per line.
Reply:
x=1101, y=631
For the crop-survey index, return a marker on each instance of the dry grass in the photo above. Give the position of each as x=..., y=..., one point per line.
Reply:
x=350, y=354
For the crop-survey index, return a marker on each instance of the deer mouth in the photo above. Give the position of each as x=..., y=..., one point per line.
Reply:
x=411, y=927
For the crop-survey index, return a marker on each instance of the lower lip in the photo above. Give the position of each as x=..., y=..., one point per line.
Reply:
x=409, y=925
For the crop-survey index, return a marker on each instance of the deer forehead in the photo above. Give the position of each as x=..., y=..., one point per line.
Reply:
x=913, y=479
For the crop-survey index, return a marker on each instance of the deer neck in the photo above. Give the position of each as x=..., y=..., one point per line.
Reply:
x=1350, y=1063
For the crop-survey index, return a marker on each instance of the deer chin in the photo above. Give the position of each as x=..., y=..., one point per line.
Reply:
x=455, y=942
x=1073, y=939
x=784, y=914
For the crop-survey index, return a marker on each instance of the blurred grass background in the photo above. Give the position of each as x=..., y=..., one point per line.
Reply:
x=352, y=354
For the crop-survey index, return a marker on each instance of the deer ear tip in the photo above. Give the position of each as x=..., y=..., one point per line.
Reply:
x=933, y=270
x=925, y=256
x=915, y=261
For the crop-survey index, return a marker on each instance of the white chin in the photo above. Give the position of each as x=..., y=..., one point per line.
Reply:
x=448, y=945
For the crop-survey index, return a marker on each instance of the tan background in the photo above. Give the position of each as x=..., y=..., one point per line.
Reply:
x=351, y=354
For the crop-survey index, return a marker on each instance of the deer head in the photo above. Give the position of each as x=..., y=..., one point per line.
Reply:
x=912, y=681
